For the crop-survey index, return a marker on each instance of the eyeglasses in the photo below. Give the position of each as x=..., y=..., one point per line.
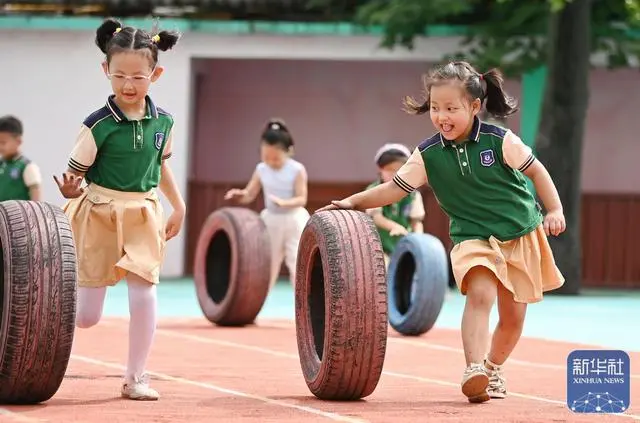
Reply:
x=135, y=79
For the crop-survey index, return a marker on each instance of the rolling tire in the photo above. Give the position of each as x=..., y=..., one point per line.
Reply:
x=232, y=266
x=417, y=283
x=341, y=305
x=38, y=279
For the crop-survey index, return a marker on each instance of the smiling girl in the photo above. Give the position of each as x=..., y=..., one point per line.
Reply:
x=477, y=173
x=117, y=221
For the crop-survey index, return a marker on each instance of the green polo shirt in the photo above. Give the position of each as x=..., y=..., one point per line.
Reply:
x=121, y=154
x=400, y=213
x=482, y=194
x=14, y=180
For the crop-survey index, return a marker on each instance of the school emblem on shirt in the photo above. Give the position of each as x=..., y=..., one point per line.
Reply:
x=15, y=173
x=159, y=139
x=487, y=158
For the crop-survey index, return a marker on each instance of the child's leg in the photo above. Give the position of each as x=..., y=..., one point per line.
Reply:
x=276, y=236
x=482, y=287
x=142, y=326
x=292, y=241
x=505, y=338
x=481, y=290
x=291, y=257
x=90, y=304
x=277, y=256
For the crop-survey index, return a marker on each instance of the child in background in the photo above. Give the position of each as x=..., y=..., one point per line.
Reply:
x=19, y=177
x=117, y=221
x=284, y=184
x=477, y=172
x=395, y=220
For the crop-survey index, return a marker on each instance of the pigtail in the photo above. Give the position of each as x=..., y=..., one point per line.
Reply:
x=105, y=33
x=498, y=103
x=165, y=40
x=414, y=107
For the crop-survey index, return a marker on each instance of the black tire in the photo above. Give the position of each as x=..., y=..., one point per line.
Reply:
x=341, y=305
x=417, y=283
x=38, y=300
x=232, y=266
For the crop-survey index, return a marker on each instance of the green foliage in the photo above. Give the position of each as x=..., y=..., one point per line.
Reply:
x=403, y=19
x=506, y=33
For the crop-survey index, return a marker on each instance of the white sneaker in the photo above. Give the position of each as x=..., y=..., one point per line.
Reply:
x=474, y=383
x=497, y=383
x=138, y=389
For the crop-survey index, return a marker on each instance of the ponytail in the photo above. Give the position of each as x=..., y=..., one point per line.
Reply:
x=487, y=87
x=414, y=107
x=498, y=103
x=277, y=133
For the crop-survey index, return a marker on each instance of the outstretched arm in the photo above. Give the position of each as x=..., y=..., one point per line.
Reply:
x=248, y=193
x=410, y=176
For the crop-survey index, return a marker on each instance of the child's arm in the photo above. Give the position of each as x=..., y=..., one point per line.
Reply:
x=80, y=160
x=33, y=180
x=417, y=213
x=385, y=223
x=519, y=156
x=410, y=176
x=300, y=192
x=249, y=193
x=169, y=188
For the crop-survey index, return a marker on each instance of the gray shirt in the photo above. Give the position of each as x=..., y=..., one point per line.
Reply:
x=280, y=183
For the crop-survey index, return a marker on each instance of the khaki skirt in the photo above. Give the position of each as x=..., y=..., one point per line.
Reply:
x=115, y=233
x=525, y=266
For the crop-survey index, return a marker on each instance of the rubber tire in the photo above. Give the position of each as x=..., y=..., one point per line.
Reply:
x=420, y=260
x=341, y=301
x=232, y=266
x=38, y=279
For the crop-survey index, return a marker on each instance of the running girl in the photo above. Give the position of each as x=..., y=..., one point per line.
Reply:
x=117, y=221
x=477, y=172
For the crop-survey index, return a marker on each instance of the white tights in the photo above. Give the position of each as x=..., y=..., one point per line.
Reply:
x=142, y=322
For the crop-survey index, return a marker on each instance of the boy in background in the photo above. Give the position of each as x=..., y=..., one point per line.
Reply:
x=398, y=219
x=20, y=178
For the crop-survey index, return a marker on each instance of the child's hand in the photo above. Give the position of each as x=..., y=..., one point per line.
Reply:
x=398, y=230
x=234, y=192
x=554, y=223
x=336, y=205
x=174, y=224
x=277, y=201
x=70, y=185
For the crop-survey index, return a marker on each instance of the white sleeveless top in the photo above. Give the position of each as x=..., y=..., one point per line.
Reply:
x=280, y=183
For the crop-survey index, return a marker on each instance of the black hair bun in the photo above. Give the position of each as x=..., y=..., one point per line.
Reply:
x=105, y=33
x=277, y=124
x=167, y=39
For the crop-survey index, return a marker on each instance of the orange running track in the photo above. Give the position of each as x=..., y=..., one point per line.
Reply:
x=211, y=374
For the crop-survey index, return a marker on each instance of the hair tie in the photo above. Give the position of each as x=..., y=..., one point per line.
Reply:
x=390, y=147
x=275, y=126
x=155, y=38
x=117, y=30
x=481, y=76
